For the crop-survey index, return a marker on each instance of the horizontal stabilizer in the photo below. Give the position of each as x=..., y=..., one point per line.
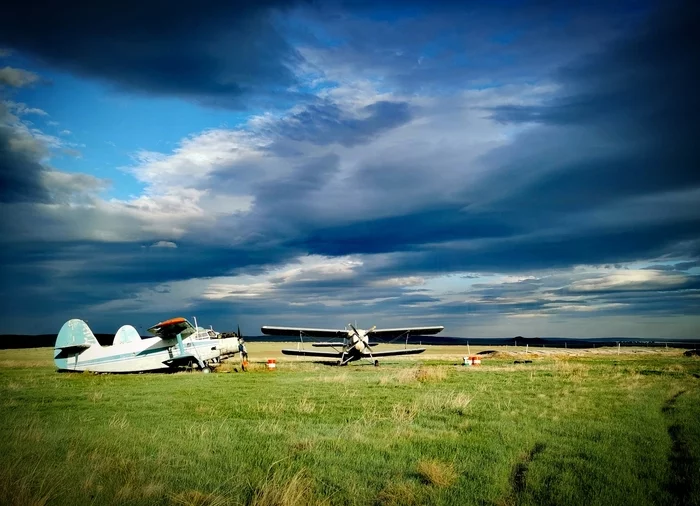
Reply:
x=394, y=353
x=310, y=353
x=67, y=351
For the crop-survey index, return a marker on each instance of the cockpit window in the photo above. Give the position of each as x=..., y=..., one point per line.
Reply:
x=211, y=333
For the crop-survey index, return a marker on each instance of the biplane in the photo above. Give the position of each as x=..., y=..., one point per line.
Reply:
x=175, y=344
x=355, y=344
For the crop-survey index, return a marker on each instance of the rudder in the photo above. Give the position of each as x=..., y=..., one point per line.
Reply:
x=126, y=334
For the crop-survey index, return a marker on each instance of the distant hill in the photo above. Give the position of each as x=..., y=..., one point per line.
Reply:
x=13, y=341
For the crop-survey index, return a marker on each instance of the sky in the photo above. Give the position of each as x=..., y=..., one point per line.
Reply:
x=501, y=168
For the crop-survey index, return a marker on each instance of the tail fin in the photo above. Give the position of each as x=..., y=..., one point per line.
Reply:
x=126, y=334
x=74, y=338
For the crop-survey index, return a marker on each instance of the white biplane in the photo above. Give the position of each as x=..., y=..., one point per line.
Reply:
x=355, y=344
x=176, y=344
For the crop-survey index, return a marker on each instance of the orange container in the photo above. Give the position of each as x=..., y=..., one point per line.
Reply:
x=271, y=363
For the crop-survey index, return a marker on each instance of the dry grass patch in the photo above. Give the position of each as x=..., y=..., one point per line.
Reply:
x=434, y=472
x=279, y=491
x=197, y=498
x=453, y=401
x=404, y=413
x=432, y=374
x=401, y=376
x=306, y=406
x=118, y=422
x=400, y=493
x=330, y=378
x=571, y=370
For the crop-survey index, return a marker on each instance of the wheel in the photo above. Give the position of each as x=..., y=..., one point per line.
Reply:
x=206, y=370
x=376, y=363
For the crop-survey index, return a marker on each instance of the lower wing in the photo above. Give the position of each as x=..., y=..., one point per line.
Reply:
x=313, y=353
x=391, y=353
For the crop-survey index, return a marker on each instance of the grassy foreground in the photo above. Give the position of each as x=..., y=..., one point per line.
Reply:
x=569, y=428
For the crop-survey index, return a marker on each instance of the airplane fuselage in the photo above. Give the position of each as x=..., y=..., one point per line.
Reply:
x=149, y=354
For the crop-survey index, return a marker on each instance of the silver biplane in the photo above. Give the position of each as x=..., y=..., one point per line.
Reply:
x=176, y=344
x=355, y=343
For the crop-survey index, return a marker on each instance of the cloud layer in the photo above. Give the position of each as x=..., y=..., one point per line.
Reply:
x=393, y=188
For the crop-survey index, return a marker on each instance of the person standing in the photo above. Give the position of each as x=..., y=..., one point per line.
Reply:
x=244, y=353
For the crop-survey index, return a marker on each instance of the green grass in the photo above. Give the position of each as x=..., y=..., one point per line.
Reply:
x=570, y=428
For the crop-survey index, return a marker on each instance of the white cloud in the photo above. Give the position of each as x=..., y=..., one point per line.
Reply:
x=164, y=244
x=642, y=279
x=22, y=109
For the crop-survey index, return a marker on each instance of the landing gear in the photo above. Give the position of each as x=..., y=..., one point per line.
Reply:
x=376, y=363
x=206, y=370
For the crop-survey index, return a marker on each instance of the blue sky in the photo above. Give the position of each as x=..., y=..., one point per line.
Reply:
x=500, y=168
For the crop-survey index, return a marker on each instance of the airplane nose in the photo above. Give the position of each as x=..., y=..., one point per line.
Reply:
x=228, y=346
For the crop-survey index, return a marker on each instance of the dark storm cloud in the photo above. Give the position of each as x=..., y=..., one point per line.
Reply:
x=20, y=167
x=213, y=51
x=638, y=100
x=622, y=127
x=680, y=266
x=407, y=232
x=444, y=45
x=535, y=251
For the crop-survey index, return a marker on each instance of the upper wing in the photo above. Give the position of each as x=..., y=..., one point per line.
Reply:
x=171, y=328
x=313, y=353
x=390, y=353
x=296, y=331
x=407, y=331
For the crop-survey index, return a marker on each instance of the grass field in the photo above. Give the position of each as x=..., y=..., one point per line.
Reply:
x=584, y=427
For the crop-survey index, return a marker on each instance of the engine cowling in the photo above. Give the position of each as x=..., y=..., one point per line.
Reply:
x=228, y=346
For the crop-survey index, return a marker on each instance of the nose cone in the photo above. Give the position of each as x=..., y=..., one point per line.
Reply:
x=359, y=345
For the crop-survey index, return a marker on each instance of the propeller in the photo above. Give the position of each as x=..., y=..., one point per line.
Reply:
x=365, y=343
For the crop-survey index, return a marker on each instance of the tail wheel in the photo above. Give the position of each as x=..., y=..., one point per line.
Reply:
x=376, y=363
